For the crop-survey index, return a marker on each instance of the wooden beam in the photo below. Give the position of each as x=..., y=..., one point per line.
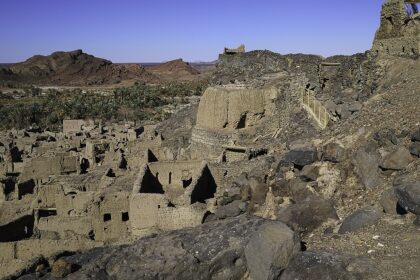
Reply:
x=416, y=15
x=330, y=63
x=412, y=1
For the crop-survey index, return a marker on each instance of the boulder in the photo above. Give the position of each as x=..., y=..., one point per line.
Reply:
x=343, y=111
x=359, y=219
x=307, y=215
x=333, y=152
x=61, y=268
x=232, y=209
x=366, y=162
x=408, y=195
x=269, y=251
x=416, y=136
x=302, y=156
x=354, y=107
x=389, y=201
x=213, y=250
x=309, y=173
x=318, y=265
x=415, y=149
x=397, y=160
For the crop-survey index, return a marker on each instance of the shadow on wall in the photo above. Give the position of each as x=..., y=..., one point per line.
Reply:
x=17, y=230
x=205, y=188
x=150, y=183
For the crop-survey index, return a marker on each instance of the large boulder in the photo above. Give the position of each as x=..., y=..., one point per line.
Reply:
x=366, y=162
x=397, y=160
x=232, y=209
x=408, y=195
x=416, y=136
x=213, y=250
x=307, y=215
x=333, y=152
x=359, y=219
x=269, y=251
x=415, y=149
x=302, y=156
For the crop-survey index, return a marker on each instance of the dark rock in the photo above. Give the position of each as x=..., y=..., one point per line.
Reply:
x=366, y=162
x=354, y=107
x=343, y=111
x=279, y=187
x=333, y=152
x=309, y=173
x=212, y=250
x=408, y=195
x=307, y=215
x=232, y=209
x=415, y=149
x=386, y=137
x=389, y=201
x=269, y=251
x=317, y=266
x=397, y=160
x=359, y=219
x=302, y=156
x=416, y=136
x=298, y=190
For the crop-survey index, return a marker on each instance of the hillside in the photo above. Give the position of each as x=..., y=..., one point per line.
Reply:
x=71, y=69
x=174, y=70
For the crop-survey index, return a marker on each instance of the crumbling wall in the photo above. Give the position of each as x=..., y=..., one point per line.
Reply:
x=172, y=218
x=42, y=167
x=111, y=218
x=47, y=196
x=70, y=126
x=74, y=204
x=66, y=227
x=398, y=35
x=234, y=108
x=144, y=211
x=151, y=212
x=15, y=255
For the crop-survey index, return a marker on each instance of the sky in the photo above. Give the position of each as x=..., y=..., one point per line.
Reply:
x=195, y=30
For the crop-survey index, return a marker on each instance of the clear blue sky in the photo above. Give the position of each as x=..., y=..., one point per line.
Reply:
x=160, y=30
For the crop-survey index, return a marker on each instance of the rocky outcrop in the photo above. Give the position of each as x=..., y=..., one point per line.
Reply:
x=211, y=251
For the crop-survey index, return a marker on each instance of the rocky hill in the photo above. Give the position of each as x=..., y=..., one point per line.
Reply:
x=73, y=68
x=174, y=70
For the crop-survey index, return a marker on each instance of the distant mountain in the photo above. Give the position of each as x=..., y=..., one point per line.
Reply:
x=73, y=68
x=175, y=69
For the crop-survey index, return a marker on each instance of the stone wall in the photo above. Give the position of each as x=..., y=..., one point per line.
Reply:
x=398, y=35
x=234, y=108
x=111, y=218
x=154, y=212
x=70, y=126
x=42, y=167
x=15, y=255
